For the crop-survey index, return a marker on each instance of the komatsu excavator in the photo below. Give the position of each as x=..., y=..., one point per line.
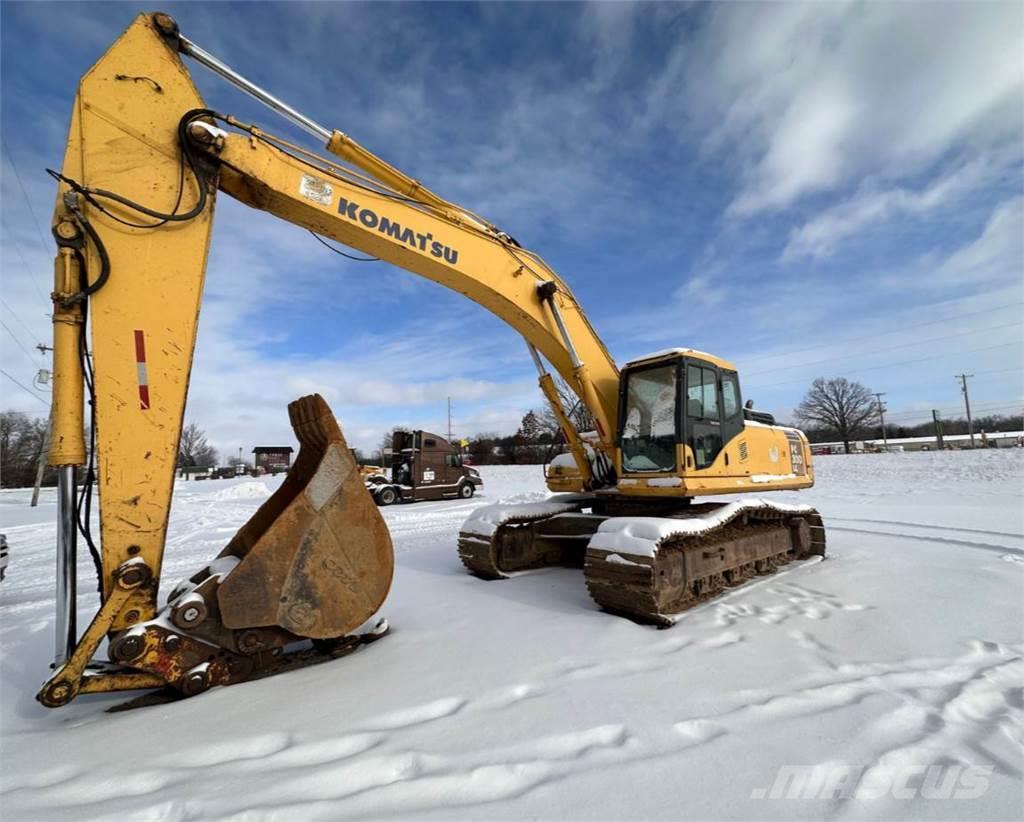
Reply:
x=144, y=162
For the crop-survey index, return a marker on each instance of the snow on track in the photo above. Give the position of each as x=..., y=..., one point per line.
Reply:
x=519, y=699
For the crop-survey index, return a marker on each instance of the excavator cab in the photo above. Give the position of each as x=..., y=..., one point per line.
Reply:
x=678, y=411
x=684, y=428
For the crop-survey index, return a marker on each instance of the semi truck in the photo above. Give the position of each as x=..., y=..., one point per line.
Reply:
x=424, y=466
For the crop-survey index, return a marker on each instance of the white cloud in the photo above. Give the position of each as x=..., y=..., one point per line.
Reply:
x=701, y=289
x=810, y=96
x=820, y=236
x=996, y=255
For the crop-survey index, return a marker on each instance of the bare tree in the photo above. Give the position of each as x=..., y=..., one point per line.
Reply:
x=193, y=449
x=22, y=440
x=844, y=406
x=531, y=428
x=579, y=415
x=389, y=436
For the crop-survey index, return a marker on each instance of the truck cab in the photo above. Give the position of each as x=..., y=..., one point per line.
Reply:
x=424, y=466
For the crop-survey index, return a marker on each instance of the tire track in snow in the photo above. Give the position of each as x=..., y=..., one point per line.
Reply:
x=981, y=546
x=944, y=528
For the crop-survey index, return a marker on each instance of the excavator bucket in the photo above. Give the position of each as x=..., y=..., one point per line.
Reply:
x=314, y=563
x=316, y=559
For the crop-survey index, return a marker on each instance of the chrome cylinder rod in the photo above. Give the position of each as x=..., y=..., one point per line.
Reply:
x=541, y=370
x=66, y=627
x=204, y=58
x=548, y=293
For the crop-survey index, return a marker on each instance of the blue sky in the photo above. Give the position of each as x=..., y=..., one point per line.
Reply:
x=829, y=189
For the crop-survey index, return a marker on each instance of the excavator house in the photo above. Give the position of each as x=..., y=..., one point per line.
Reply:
x=298, y=584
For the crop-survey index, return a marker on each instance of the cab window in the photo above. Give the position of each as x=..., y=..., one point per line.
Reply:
x=694, y=395
x=649, y=427
x=730, y=397
x=709, y=389
x=702, y=393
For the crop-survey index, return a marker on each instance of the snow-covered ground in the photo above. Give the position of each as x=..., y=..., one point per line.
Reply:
x=519, y=699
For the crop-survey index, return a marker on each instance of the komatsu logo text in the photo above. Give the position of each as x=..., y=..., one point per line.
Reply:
x=395, y=230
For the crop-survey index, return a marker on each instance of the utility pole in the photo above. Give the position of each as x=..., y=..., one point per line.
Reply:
x=938, y=429
x=45, y=453
x=967, y=404
x=449, y=419
x=881, y=416
x=41, y=464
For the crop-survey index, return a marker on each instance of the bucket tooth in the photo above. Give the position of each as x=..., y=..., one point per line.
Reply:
x=316, y=559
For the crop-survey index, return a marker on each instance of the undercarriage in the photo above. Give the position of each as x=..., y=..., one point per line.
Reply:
x=648, y=563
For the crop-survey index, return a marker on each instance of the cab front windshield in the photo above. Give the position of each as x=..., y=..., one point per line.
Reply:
x=649, y=430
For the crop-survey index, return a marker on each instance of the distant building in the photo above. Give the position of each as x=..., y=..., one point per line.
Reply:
x=953, y=442
x=272, y=458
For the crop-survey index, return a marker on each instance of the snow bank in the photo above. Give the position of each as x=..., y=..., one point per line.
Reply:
x=243, y=490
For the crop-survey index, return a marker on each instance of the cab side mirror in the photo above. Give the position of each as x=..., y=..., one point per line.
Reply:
x=748, y=404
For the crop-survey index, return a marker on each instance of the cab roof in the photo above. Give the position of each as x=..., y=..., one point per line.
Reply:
x=672, y=353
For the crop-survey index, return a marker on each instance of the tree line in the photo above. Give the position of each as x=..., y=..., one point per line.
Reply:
x=23, y=441
x=833, y=410
x=838, y=410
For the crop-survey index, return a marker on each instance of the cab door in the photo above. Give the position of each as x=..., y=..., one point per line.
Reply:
x=702, y=409
x=713, y=412
x=452, y=469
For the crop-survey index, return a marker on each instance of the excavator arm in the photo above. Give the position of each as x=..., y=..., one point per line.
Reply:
x=144, y=162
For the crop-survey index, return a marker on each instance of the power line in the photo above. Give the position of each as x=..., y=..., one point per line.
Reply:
x=988, y=408
x=13, y=337
x=991, y=406
x=28, y=200
x=981, y=375
x=23, y=388
x=890, y=365
x=3, y=302
x=889, y=348
x=885, y=333
x=27, y=269
x=1002, y=371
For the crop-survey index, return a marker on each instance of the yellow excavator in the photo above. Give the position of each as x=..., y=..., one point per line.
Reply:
x=144, y=162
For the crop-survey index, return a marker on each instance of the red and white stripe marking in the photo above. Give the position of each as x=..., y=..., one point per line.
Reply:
x=140, y=364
